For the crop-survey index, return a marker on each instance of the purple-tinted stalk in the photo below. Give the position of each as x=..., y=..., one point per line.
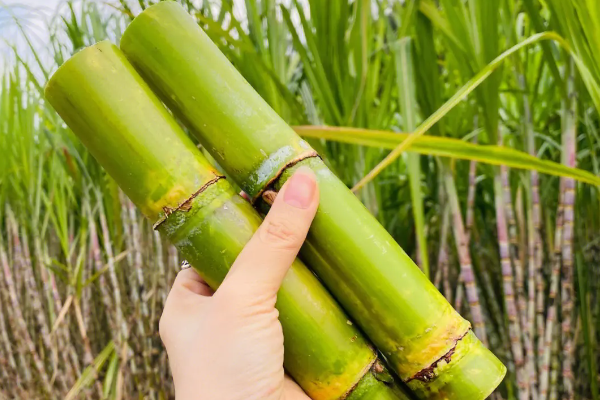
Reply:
x=554, y=367
x=531, y=287
x=8, y=348
x=470, y=217
x=552, y=314
x=567, y=296
x=138, y=293
x=21, y=324
x=464, y=257
x=57, y=348
x=536, y=282
x=533, y=242
x=513, y=240
x=514, y=327
x=98, y=265
x=121, y=323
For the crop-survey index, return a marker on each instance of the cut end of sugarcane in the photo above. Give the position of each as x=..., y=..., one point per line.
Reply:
x=73, y=59
x=474, y=373
x=127, y=129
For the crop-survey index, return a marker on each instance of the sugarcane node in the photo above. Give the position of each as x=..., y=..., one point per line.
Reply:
x=186, y=205
x=271, y=183
x=362, y=376
x=428, y=374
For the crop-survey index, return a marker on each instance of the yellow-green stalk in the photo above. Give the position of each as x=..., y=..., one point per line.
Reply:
x=427, y=343
x=132, y=135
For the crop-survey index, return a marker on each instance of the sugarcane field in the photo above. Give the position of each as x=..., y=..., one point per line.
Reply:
x=299, y=199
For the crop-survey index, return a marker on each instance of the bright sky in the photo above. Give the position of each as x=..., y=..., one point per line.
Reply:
x=32, y=13
x=35, y=3
x=33, y=9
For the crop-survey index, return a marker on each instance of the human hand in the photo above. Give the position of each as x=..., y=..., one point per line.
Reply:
x=228, y=345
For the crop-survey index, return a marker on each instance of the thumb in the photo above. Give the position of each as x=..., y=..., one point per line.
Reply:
x=261, y=266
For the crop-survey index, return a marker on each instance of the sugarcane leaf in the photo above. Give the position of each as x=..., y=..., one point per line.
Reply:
x=112, y=372
x=447, y=147
x=88, y=374
x=405, y=80
x=463, y=92
x=311, y=61
x=429, y=9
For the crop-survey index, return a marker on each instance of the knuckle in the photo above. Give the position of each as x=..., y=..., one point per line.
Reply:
x=280, y=234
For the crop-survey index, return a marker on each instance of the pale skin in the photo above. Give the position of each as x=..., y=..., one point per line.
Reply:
x=228, y=344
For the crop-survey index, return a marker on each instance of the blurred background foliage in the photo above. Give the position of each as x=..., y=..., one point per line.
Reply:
x=506, y=92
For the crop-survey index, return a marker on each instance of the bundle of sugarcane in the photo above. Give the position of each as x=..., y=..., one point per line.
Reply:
x=132, y=135
x=426, y=342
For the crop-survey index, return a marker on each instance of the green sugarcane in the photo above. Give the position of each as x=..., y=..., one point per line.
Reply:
x=132, y=135
x=427, y=343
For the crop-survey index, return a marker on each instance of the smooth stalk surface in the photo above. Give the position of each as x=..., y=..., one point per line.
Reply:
x=124, y=125
x=427, y=343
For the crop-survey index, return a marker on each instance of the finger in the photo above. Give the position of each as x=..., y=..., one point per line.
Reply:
x=189, y=282
x=263, y=263
x=189, y=292
x=291, y=390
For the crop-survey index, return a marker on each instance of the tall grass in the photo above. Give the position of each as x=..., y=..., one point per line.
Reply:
x=515, y=248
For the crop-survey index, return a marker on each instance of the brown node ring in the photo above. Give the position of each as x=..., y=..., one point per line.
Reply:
x=186, y=205
x=268, y=194
x=428, y=374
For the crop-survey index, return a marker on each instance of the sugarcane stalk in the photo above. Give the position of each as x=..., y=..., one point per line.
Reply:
x=554, y=368
x=464, y=256
x=512, y=280
x=21, y=325
x=128, y=130
x=10, y=377
x=23, y=264
x=425, y=341
x=8, y=352
x=513, y=242
x=567, y=296
x=98, y=265
x=529, y=309
x=122, y=331
x=509, y=291
x=43, y=325
x=552, y=306
x=140, y=307
x=531, y=287
x=536, y=306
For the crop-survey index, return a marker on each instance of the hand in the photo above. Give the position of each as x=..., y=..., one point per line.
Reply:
x=228, y=345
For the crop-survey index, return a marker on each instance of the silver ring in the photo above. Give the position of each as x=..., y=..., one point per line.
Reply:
x=185, y=265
